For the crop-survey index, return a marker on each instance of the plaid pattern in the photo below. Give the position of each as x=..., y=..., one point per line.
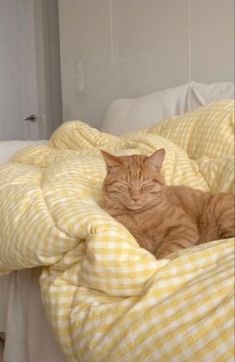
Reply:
x=106, y=298
x=207, y=131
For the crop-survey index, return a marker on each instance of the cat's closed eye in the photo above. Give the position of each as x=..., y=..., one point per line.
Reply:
x=123, y=187
x=117, y=188
x=113, y=191
x=147, y=187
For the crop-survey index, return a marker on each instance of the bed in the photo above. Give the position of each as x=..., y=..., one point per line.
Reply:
x=23, y=323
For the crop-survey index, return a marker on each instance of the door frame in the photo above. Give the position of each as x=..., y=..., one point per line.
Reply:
x=47, y=44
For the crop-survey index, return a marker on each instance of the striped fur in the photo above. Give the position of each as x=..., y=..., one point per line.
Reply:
x=163, y=218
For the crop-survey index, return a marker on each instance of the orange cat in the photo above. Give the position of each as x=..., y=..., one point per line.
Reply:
x=163, y=218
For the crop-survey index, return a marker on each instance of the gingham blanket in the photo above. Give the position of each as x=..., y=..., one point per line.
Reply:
x=108, y=299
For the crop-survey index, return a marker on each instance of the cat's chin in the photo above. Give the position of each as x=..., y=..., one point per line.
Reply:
x=139, y=208
x=134, y=207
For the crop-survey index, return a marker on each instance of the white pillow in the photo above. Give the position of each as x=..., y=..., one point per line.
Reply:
x=8, y=148
x=129, y=115
x=202, y=94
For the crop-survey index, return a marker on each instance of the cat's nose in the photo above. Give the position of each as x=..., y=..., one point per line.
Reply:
x=135, y=195
x=135, y=198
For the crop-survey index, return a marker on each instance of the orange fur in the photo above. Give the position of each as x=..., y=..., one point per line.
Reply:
x=163, y=218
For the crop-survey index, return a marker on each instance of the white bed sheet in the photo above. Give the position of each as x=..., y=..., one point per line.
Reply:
x=8, y=148
x=28, y=335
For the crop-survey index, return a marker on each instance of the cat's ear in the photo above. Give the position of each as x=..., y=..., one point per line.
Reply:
x=111, y=160
x=157, y=158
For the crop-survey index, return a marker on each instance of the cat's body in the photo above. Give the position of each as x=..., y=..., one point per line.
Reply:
x=163, y=218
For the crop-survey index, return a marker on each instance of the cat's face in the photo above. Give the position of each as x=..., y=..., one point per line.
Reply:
x=134, y=182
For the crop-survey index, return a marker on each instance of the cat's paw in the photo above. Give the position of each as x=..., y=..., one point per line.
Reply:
x=165, y=255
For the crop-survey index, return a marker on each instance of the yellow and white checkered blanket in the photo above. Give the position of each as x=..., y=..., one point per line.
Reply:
x=106, y=298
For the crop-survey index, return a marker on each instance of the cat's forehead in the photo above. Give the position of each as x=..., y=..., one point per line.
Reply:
x=133, y=160
x=135, y=168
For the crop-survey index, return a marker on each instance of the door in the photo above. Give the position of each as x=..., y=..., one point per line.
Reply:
x=25, y=61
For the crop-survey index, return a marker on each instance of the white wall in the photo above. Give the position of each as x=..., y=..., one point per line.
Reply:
x=127, y=48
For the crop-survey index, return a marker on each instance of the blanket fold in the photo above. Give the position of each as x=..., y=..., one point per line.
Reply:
x=106, y=298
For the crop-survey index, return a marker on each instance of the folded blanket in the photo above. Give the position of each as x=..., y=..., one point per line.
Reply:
x=106, y=298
